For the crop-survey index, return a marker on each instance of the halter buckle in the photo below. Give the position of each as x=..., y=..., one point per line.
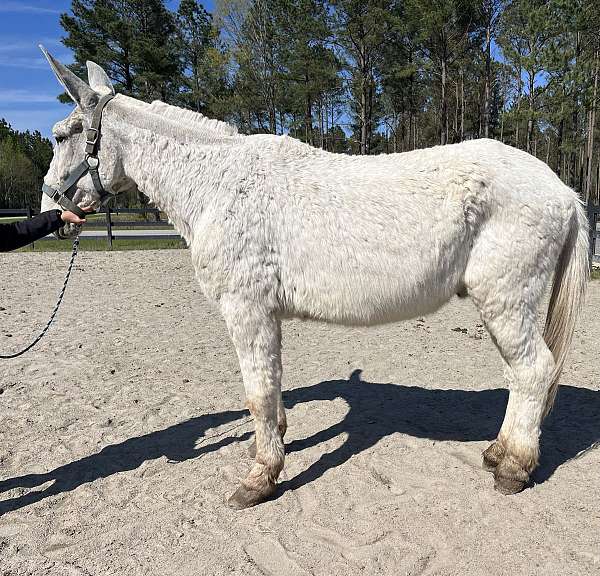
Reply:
x=92, y=136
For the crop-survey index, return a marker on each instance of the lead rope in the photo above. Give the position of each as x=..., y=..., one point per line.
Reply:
x=60, y=297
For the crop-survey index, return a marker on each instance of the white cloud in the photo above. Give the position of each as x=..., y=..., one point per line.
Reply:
x=18, y=96
x=15, y=6
x=18, y=45
x=23, y=62
x=30, y=62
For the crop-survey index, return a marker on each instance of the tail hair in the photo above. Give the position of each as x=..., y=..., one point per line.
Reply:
x=568, y=290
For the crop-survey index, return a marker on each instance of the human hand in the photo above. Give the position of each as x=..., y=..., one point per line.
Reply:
x=72, y=218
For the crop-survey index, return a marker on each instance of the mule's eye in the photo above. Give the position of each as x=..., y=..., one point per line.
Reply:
x=60, y=139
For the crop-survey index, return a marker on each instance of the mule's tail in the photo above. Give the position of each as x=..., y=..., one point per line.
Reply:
x=568, y=289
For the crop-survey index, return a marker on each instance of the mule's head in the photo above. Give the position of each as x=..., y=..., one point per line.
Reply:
x=70, y=136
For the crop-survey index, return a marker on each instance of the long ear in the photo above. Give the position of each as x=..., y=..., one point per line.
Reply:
x=98, y=79
x=76, y=88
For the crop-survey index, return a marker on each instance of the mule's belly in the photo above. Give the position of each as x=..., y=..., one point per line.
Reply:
x=389, y=257
x=365, y=288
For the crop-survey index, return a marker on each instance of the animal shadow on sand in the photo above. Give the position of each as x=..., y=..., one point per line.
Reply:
x=375, y=411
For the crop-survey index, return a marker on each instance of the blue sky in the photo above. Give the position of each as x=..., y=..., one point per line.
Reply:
x=28, y=88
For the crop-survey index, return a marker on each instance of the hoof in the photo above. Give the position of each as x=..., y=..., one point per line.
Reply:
x=252, y=450
x=492, y=456
x=507, y=486
x=245, y=497
x=510, y=477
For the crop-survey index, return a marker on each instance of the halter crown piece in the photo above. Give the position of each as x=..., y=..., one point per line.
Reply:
x=64, y=195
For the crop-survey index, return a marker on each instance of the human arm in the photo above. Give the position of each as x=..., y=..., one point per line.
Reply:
x=18, y=234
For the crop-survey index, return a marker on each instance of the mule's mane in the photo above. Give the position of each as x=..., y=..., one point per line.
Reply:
x=186, y=117
x=182, y=125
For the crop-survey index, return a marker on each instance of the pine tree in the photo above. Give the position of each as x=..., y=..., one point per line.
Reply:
x=202, y=63
x=309, y=65
x=24, y=160
x=255, y=42
x=362, y=29
x=133, y=40
x=445, y=27
x=526, y=36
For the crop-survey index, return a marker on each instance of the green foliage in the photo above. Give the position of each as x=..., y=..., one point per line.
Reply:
x=203, y=77
x=24, y=160
x=100, y=244
x=135, y=41
x=353, y=76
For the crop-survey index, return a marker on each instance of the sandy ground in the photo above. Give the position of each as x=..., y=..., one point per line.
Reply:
x=123, y=431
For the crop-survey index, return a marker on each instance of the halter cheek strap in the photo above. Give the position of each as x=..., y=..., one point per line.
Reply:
x=64, y=195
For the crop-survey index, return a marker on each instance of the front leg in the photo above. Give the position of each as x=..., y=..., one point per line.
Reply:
x=256, y=335
x=281, y=425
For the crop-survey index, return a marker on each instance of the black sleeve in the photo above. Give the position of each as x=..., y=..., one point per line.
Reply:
x=18, y=234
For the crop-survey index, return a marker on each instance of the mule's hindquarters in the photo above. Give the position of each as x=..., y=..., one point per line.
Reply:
x=510, y=266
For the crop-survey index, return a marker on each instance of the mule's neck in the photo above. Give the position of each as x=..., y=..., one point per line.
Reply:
x=172, y=164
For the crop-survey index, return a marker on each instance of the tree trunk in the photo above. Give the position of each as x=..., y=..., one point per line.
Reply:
x=559, y=144
x=321, y=124
x=456, y=106
x=462, y=105
x=363, y=118
x=370, y=113
x=271, y=109
x=519, y=97
x=591, y=128
x=308, y=132
x=364, y=99
x=488, y=75
x=443, y=105
x=575, y=118
x=128, y=75
x=326, y=127
x=530, y=119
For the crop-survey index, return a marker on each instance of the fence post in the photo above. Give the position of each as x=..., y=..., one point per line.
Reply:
x=29, y=218
x=592, y=212
x=109, y=228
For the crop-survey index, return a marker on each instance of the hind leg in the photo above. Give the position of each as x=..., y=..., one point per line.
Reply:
x=508, y=270
x=529, y=365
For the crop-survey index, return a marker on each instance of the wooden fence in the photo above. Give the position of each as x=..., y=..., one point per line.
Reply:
x=155, y=222
x=593, y=212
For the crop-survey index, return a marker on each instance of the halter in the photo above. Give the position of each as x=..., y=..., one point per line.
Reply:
x=64, y=195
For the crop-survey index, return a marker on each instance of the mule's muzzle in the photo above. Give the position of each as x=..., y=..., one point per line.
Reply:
x=68, y=231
